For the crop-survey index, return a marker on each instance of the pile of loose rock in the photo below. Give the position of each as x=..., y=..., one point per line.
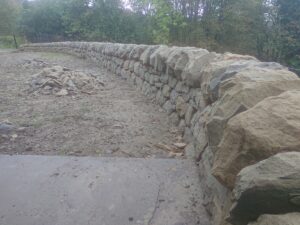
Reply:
x=34, y=63
x=61, y=81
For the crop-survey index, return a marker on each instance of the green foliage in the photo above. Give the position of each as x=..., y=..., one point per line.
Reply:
x=280, y=39
x=268, y=29
x=42, y=21
x=8, y=41
x=162, y=21
x=289, y=19
x=9, y=12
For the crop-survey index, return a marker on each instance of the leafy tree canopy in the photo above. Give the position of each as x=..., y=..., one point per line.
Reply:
x=268, y=29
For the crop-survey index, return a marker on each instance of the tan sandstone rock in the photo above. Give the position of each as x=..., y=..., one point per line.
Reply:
x=179, y=57
x=181, y=106
x=270, y=127
x=271, y=186
x=241, y=97
x=193, y=70
x=221, y=71
x=286, y=219
x=145, y=56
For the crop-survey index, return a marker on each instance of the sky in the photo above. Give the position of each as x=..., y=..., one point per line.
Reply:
x=126, y=4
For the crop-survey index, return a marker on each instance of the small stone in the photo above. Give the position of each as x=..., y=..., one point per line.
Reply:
x=47, y=87
x=181, y=126
x=179, y=139
x=5, y=128
x=189, y=114
x=169, y=107
x=28, y=149
x=174, y=118
x=172, y=82
x=180, y=145
x=13, y=137
x=181, y=106
x=173, y=130
x=21, y=129
x=189, y=151
x=71, y=84
x=188, y=135
x=4, y=136
x=118, y=126
x=166, y=91
x=172, y=155
x=179, y=154
x=62, y=92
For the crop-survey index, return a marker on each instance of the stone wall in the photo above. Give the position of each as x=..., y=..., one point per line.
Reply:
x=213, y=99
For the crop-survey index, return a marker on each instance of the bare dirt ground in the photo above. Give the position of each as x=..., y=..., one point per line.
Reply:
x=115, y=121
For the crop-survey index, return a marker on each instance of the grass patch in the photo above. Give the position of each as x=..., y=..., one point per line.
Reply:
x=8, y=41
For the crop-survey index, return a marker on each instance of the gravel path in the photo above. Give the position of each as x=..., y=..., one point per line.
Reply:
x=116, y=121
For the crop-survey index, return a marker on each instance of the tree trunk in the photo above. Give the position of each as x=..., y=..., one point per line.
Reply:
x=15, y=40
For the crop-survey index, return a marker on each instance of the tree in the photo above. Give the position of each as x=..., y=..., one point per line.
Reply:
x=9, y=12
x=289, y=19
x=268, y=29
x=42, y=21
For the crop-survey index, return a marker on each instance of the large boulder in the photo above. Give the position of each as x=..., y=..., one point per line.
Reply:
x=271, y=186
x=176, y=54
x=137, y=51
x=222, y=67
x=178, y=59
x=173, y=59
x=145, y=56
x=155, y=60
x=193, y=70
x=240, y=97
x=124, y=51
x=286, y=219
x=270, y=127
x=159, y=57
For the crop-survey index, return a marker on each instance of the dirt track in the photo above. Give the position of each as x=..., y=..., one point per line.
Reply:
x=116, y=121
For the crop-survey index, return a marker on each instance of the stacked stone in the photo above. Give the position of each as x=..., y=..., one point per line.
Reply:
x=234, y=110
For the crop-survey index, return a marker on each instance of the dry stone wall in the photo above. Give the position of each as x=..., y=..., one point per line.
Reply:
x=223, y=103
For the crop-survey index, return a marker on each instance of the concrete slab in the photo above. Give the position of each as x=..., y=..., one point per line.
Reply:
x=53, y=190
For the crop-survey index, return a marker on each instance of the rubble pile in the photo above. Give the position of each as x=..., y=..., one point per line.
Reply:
x=33, y=63
x=61, y=81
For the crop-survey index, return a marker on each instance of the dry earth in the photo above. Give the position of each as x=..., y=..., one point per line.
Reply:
x=116, y=121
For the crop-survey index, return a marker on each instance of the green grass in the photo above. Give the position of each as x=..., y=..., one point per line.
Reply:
x=8, y=41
